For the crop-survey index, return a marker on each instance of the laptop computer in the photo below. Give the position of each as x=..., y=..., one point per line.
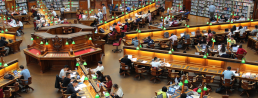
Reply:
x=219, y=46
x=245, y=27
x=193, y=33
x=203, y=46
x=226, y=30
x=111, y=28
x=234, y=49
x=237, y=28
x=15, y=72
x=181, y=34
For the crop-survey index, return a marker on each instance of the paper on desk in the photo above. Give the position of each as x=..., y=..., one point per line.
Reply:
x=195, y=96
x=236, y=74
x=144, y=62
x=83, y=97
x=134, y=59
x=80, y=86
x=167, y=64
x=130, y=56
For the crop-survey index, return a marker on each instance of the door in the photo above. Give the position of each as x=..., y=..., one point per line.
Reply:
x=92, y=4
x=83, y=5
x=187, y=4
x=9, y=5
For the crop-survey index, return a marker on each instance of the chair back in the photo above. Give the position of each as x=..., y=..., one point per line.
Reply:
x=75, y=21
x=153, y=71
x=2, y=48
x=17, y=45
x=227, y=82
x=240, y=56
x=123, y=66
x=172, y=74
x=7, y=93
x=190, y=78
x=120, y=41
x=152, y=46
x=188, y=41
x=29, y=80
x=246, y=86
x=208, y=79
x=175, y=43
x=16, y=86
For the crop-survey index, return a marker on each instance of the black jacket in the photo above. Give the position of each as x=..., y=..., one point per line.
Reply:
x=127, y=62
x=70, y=89
x=66, y=82
x=101, y=78
x=57, y=85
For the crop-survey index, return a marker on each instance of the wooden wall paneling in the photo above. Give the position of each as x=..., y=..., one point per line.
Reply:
x=10, y=4
x=109, y=2
x=116, y=2
x=187, y=4
x=255, y=10
x=98, y=4
x=92, y=4
x=168, y=4
x=30, y=4
x=83, y=4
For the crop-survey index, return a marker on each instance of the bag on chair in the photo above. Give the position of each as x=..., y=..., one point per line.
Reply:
x=166, y=35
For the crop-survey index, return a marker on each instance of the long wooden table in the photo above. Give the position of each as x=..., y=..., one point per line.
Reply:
x=252, y=40
x=12, y=65
x=87, y=22
x=191, y=63
x=201, y=51
x=14, y=45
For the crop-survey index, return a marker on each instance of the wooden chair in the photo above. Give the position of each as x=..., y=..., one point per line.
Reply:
x=15, y=89
x=227, y=85
x=155, y=74
x=196, y=41
x=75, y=22
x=27, y=19
x=220, y=39
x=7, y=93
x=2, y=51
x=207, y=80
x=152, y=46
x=172, y=76
x=242, y=38
x=246, y=86
x=240, y=56
x=225, y=96
x=112, y=38
x=191, y=80
x=163, y=45
x=26, y=86
x=17, y=46
x=256, y=48
x=125, y=69
x=139, y=72
x=187, y=44
x=174, y=46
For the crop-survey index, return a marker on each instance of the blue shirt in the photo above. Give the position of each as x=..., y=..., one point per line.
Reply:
x=187, y=13
x=212, y=8
x=228, y=74
x=135, y=43
x=26, y=74
x=128, y=9
x=138, y=20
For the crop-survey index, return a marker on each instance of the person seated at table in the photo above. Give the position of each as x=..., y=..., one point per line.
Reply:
x=71, y=89
x=117, y=27
x=100, y=68
x=100, y=76
x=187, y=12
x=242, y=30
x=128, y=9
x=222, y=50
x=52, y=6
x=108, y=83
x=63, y=72
x=3, y=42
x=161, y=8
x=183, y=95
x=135, y=42
x=228, y=74
x=198, y=35
x=138, y=19
x=126, y=23
x=80, y=16
x=117, y=91
x=155, y=63
x=167, y=24
x=213, y=19
x=232, y=42
x=241, y=51
x=25, y=73
x=208, y=51
x=202, y=41
x=67, y=80
x=173, y=37
x=100, y=15
x=53, y=12
x=149, y=41
x=12, y=22
x=223, y=18
x=65, y=21
x=185, y=36
x=127, y=62
x=209, y=37
x=24, y=12
x=242, y=18
x=199, y=87
x=163, y=91
x=113, y=34
x=116, y=7
x=255, y=30
x=182, y=22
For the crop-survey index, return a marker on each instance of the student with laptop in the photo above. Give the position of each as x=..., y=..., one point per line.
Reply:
x=255, y=30
x=135, y=42
x=185, y=36
x=222, y=50
x=163, y=92
x=228, y=74
x=149, y=41
x=223, y=18
x=117, y=91
x=242, y=30
x=232, y=42
x=173, y=38
x=155, y=63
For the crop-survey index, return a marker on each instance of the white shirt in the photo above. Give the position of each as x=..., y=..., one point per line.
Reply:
x=62, y=9
x=173, y=37
x=54, y=13
x=155, y=64
x=242, y=19
x=230, y=33
x=119, y=92
x=62, y=73
x=99, y=68
x=20, y=24
x=220, y=52
x=24, y=12
x=242, y=31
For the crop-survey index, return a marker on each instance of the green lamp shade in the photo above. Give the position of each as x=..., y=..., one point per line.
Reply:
x=105, y=21
x=219, y=16
x=94, y=77
x=6, y=30
x=216, y=16
x=153, y=0
x=8, y=18
x=131, y=9
x=68, y=5
x=142, y=5
x=51, y=22
x=150, y=2
x=97, y=96
x=86, y=12
x=164, y=29
x=161, y=27
x=136, y=29
x=140, y=46
x=86, y=78
x=0, y=17
x=205, y=88
x=234, y=14
x=107, y=94
x=45, y=13
x=46, y=43
x=31, y=38
x=139, y=5
x=112, y=17
x=66, y=43
x=77, y=64
x=180, y=83
x=161, y=17
x=72, y=2
x=177, y=5
x=4, y=19
x=243, y=60
x=12, y=6
x=169, y=52
x=68, y=2
x=199, y=90
x=231, y=14
x=2, y=31
x=172, y=50
x=73, y=42
x=116, y=17
x=101, y=21
x=139, y=31
x=43, y=10
x=247, y=19
x=135, y=9
x=252, y=20
x=207, y=22
x=89, y=11
x=172, y=16
x=188, y=26
x=137, y=48
x=205, y=56
x=84, y=63
x=122, y=12
x=5, y=65
x=147, y=3
x=90, y=38
x=125, y=13
x=41, y=42
x=210, y=23
x=1, y=64
x=186, y=81
x=231, y=21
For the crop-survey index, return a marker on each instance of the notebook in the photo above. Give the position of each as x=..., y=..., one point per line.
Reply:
x=82, y=79
x=237, y=28
x=181, y=34
x=234, y=49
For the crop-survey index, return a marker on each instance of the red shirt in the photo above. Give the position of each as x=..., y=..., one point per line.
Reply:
x=109, y=84
x=66, y=22
x=241, y=51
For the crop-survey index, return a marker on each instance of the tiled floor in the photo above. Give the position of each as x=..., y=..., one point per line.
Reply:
x=132, y=88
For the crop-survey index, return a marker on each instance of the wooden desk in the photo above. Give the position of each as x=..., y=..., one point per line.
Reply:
x=252, y=40
x=11, y=30
x=21, y=16
x=12, y=65
x=87, y=22
x=14, y=45
x=92, y=89
x=70, y=14
x=191, y=63
x=200, y=50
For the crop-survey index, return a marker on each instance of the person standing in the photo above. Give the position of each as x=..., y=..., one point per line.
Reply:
x=110, y=8
x=104, y=11
x=212, y=9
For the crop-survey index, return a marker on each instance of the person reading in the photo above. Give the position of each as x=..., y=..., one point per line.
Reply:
x=173, y=38
x=108, y=83
x=222, y=50
x=63, y=71
x=155, y=63
x=116, y=91
x=135, y=42
x=163, y=91
x=71, y=89
x=149, y=41
x=100, y=68
x=228, y=74
x=127, y=62
x=67, y=80
x=241, y=51
x=202, y=41
x=100, y=76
